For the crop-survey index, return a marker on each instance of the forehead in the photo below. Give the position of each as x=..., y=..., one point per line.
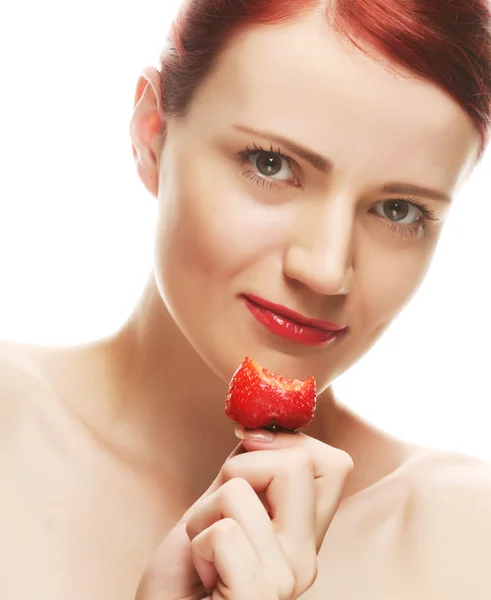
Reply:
x=305, y=82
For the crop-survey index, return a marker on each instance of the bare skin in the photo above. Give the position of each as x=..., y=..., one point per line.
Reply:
x=105, y=447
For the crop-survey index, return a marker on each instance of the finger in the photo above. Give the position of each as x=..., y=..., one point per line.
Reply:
x=240, y=573
x=286, y=477
x=331, y=470
x=237, y=500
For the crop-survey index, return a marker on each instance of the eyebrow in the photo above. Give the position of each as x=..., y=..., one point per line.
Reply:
x=324, y=165
x=417, y=190
x=316, y=160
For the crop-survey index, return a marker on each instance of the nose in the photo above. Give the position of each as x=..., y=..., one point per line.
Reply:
x=320, y=252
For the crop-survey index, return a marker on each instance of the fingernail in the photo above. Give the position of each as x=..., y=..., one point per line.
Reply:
x=254, y=435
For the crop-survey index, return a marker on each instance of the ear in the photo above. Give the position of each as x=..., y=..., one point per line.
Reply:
x=146, y=122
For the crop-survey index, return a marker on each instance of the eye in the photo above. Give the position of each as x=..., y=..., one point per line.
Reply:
x=271, y=165
x=268, y=169
x=398, y=211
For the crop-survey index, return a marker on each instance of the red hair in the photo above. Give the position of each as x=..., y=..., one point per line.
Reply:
x=446, y=42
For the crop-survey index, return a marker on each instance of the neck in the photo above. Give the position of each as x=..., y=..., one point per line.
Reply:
x=174, y=401
x=163, y=409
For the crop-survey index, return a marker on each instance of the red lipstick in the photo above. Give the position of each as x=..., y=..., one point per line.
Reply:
x=292, y=325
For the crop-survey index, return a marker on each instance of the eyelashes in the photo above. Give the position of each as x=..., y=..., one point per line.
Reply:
x=424, y=214
x=271, y=169
x=248, y=158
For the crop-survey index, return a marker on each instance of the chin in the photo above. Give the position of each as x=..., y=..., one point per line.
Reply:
x=224, y=357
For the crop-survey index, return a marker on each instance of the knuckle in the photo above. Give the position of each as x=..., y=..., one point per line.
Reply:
x=234, y=489
x=344, y=461
x=227, y=527
x=339, y=460
x=225, y=532
x=298, y=459
x=229, y=469
x=218, y=535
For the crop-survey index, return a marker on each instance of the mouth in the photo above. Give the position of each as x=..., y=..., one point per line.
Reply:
x=292, y=325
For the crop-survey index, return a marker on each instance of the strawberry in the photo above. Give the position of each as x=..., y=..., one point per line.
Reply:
x=260, y=399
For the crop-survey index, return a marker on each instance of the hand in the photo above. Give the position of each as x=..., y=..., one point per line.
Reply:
x=231, y=546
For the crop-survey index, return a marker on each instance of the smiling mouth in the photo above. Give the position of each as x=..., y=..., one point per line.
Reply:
x=291, y=325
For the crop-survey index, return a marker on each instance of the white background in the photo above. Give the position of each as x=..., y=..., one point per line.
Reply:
x=76, y=225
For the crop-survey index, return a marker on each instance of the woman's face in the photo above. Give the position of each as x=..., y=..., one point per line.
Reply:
x=273, y=187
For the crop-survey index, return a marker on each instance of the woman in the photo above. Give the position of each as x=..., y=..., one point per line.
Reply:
x=303, y=158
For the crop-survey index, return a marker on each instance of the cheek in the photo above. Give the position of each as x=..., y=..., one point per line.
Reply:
x=385, y=281
x=388, y=280
x=212, y=239
x=210, y=231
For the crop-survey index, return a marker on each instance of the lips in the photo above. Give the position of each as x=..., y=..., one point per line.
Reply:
x=292, y=325
x=294, y=316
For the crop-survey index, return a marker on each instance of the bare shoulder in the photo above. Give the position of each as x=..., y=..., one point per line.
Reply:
x=18, y=368
x=446, y=538
x=22, y=385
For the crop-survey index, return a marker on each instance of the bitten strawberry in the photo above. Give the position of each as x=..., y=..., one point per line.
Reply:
x=260, y=399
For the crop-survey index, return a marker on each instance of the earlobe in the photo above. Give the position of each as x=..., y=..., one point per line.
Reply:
x=146, y=123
